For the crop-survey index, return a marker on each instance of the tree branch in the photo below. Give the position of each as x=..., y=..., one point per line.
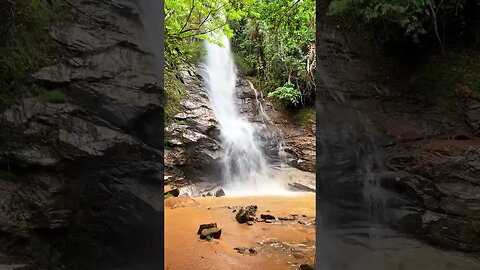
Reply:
x=189, y=15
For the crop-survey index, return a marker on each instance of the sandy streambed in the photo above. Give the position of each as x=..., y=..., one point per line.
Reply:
x=284, y=244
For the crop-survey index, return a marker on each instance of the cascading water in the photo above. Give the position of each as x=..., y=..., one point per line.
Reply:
x=245, y=170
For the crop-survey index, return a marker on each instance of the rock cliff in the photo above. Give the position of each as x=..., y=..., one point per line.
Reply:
x=80, y=181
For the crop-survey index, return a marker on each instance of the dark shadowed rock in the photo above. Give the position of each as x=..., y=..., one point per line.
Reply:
x=87, y=189
x=307, y=267
x=219, y=193
x=247, y=214
x=267, y=216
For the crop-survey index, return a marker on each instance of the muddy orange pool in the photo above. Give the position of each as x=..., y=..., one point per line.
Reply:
x=280, y=245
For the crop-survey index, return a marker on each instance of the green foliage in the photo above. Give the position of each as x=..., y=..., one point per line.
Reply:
x=306, y=116
x=168, y=195
x=54, y=96
x=180, y=122
x=407, y=14
x=174, y=93
x=189, y=21
x=409, y=20
x=275, y=44
x=27, y=45
x=287, y=93
x=440, y=77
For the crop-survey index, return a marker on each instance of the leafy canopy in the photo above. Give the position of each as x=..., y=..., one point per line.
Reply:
x=188, y=21
x=276, y=44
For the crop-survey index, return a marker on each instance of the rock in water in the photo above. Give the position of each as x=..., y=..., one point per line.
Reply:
x=212, y=232
x=307, y=267
x=242, y=216
x=206, y=226
x=267, y=216
x=247, y=214
x=241, y=250
x=219, y=193
x=244, y=250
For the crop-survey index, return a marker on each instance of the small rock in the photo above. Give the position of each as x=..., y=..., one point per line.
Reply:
x=298, y=255
x=219, y=193
x=267, y=216
x=234, y=210
x=244, y=250
x=269, y=221
x=212, y=232
x=174, y=192
x=241, y=250
x=247, y=214
x=249, y=223
x=241, y=216
x=290, y=218
x=206, y=226
x=307, y=267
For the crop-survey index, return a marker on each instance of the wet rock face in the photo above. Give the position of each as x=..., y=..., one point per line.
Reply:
x=424, y=159
x=80, y=181
x=193, y=140
x=441, y=178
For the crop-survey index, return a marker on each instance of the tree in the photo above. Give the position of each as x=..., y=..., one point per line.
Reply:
x=396, y=20
x=189, y=21
x=276, y=44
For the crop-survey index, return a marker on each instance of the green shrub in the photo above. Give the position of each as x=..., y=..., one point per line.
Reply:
x=287, y=94
x=306, y=116
x=394, y=21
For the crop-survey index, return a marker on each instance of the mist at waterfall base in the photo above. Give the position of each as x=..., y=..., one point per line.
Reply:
x=245, y=171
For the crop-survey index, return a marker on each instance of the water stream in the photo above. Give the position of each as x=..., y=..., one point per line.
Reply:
x=245, y=170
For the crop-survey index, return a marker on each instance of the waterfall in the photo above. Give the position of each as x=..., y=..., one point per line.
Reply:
x=245, y=170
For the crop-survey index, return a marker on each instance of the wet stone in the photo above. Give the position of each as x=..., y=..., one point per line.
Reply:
x=212, y=233
x=267, y=216
x=247, y=214
x=244, y=250
x=298, y=255
x=306, y=267
x=206, y=226
x=219, y=193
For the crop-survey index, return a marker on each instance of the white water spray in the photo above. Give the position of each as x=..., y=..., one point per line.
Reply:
x=245, y=169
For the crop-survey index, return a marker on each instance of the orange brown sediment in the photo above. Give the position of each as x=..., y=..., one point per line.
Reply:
x=279, y=246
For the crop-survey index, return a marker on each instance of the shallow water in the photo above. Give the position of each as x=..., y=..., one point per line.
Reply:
x=184, y=249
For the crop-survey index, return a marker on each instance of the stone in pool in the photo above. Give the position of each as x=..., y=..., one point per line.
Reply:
x=206, y=226
x=212, y=232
